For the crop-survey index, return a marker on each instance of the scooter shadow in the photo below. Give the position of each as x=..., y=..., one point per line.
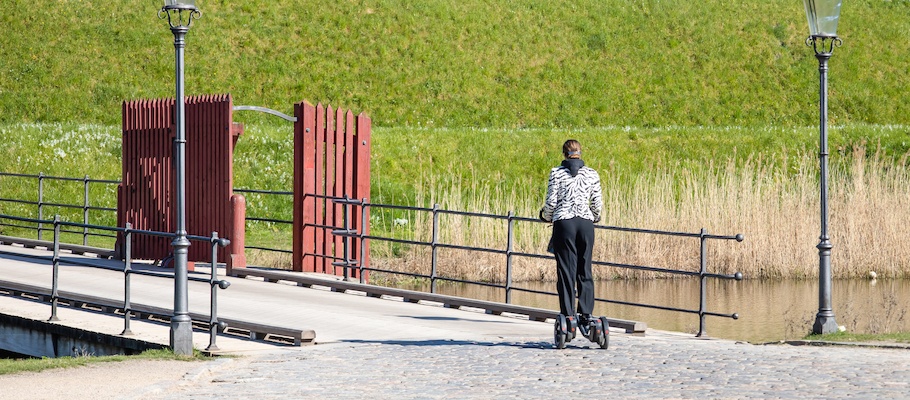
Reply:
x=445, y=342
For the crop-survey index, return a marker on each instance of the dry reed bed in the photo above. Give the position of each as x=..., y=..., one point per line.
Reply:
x=776, y=208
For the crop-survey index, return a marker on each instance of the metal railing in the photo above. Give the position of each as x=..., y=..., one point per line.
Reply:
x=350, y=261
x=510, y=254
x=256, y=218
x=42, y=204
x=214, y=282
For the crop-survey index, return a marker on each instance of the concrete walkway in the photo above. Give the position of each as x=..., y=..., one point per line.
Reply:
x=387, y=348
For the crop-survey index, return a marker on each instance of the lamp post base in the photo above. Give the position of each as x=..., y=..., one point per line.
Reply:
x=824, y=324
x=182, y=337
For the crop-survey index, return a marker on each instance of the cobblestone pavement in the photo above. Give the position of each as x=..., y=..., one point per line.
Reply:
x=659, y=365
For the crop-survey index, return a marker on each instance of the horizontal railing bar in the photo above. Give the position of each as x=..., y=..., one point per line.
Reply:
x=650, y=231
x=323, y=256
x=394, y=240
x=277, y=221
x=97, y=235
x=222, y=241
x=26, y=219
x=19, y=175
x=486, y=284
x=535, y=291
x=269, y=249
x=77, y=232
x=68, y=261
x=714, y=314
x=58, y=178
x=76, y=206
x=628, y=303
x=388, y=271
x=640, y=230
x=75, y=248
x=18, y=226
x=410, y=208
x=480, y=249
x=19, y=201
x=472, y=214
x=328, y=196
x=81, y=233
x=645, y=268
x=735, y=276
x=276, y=192
x=320, y=226
x=533, y=255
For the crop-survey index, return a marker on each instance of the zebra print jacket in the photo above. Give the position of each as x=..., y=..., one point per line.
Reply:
x=573, y=191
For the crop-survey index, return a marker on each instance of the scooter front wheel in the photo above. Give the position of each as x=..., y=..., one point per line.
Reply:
x=603, y=337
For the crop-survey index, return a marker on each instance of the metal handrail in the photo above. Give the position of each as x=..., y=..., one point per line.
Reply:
x=214, y=282
x=433, y=276
x=349, y=261
x=86, y=206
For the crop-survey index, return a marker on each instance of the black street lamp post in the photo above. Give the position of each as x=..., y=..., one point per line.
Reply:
x=823, y=16
x=180, y=15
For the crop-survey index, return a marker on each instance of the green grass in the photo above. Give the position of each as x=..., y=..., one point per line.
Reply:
x=525, y=63
x=407, y=158
x=520, y=159
x=404, y=159
x=9, y=366
x=898, y=337
x=475, y=92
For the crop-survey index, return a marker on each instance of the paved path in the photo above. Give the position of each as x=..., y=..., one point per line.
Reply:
x=382, y=348
x=659, y=365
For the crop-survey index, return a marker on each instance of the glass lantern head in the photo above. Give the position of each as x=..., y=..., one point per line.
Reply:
x=822, y=16
x=180, y=5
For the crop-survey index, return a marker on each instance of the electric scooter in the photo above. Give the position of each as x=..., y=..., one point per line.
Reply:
x=597, y=330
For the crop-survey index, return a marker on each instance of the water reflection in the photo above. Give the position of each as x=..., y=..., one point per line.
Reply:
x=768, y=310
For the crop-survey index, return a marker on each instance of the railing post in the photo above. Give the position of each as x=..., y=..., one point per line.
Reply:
x=363, y=230
x=56, y=269
x=40, y=202
x=85, y=212
x=347, y=238
x=702, y=284
x=213, y=301
x=509, y=239
x=434, y=249
x=127, y=271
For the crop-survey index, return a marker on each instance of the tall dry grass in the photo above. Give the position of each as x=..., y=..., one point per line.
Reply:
x=774, y=203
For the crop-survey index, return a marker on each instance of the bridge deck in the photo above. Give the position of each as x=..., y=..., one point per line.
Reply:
x=319, y=313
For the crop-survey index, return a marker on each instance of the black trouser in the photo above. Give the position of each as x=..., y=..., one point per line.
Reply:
x=573, y=240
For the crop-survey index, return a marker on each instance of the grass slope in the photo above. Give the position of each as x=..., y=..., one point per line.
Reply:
x=473, y=63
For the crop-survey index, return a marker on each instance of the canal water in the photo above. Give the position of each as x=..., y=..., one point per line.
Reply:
x=768, y=310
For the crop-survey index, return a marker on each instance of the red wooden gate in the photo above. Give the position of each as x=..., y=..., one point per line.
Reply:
x=331, y=159
x=146, y=194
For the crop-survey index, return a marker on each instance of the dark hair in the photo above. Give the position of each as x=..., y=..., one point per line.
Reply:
x=571, y=149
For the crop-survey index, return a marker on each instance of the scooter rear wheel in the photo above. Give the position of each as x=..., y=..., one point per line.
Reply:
x=560, y=331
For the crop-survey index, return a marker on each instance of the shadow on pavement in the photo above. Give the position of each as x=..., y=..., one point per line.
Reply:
x=433, y=318
x=523, y=345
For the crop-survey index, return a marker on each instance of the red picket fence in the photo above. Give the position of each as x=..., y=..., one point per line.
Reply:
x=331, y=159
x=146, y=193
